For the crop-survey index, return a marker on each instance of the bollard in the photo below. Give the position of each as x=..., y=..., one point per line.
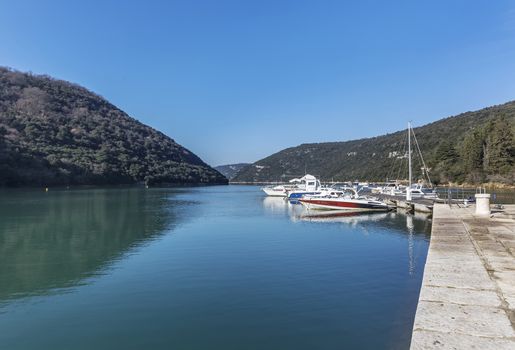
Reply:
x=482, y=203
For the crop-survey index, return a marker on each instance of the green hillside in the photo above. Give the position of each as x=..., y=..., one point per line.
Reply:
x=471, y=147
x=53, y=132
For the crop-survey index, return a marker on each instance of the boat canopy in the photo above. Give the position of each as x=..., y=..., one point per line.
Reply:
x=295, y=180
x=308, y=177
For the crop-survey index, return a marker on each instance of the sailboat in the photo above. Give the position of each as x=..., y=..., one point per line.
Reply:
x=417, y=190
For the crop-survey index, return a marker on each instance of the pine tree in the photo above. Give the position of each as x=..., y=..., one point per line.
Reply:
x=472, y=153
x=446, y=152
x=500, y=144
x=446, y=163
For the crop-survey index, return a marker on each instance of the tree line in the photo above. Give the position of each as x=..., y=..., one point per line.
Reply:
x=487, y=153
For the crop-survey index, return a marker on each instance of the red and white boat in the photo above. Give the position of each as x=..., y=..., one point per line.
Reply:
x=343, y=202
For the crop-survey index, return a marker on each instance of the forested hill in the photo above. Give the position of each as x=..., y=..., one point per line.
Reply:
x=471, y=147
x=53, y=132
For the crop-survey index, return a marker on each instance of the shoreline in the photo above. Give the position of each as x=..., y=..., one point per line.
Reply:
x=86, y=187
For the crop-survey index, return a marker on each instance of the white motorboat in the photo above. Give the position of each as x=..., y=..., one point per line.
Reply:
x=393, y=189
x=330, y=192
x=420, y=191
x=284, y=189
x=276, y=191
x=310, y=185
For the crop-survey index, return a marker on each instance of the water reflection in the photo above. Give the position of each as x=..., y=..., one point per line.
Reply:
x=57, y=239
x=411, y=229
x=398, y=221
x=275, y=205
x=352, y=218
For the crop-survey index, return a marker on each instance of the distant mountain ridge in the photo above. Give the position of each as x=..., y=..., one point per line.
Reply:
x=473, y=146
x=231, y=170
x=53, y=132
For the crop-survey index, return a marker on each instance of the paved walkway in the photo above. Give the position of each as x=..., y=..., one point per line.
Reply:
x=467, y=300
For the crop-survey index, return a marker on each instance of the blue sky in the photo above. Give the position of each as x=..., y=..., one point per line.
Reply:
x=235, y=81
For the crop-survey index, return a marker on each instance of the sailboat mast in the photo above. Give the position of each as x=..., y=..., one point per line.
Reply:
x=408, y=190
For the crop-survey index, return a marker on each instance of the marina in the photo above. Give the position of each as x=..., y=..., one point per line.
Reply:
x=355, y=196
x=467, y=298
x=254, y=175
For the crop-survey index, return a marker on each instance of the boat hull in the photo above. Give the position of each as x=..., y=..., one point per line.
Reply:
x=274, y=192
x=344, y=204
x=297, y=195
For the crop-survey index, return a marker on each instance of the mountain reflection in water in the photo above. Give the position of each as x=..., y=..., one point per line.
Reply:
x=60, y=238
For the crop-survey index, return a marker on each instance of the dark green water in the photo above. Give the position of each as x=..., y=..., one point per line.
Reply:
x=202, y=268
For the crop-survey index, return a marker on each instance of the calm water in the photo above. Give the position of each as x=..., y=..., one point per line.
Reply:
x=202, y=268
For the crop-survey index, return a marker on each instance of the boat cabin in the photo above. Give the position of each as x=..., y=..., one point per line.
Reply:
x=311, y=183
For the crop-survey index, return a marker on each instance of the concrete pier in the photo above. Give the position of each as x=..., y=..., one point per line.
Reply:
x=467, y=300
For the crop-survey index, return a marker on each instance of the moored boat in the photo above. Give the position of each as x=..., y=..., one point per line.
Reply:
x=346, y=200
x=310, y=185
x=276, y=191
x=420, y=191
x=392, y=189
x=282, y=190
x=342, y=203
